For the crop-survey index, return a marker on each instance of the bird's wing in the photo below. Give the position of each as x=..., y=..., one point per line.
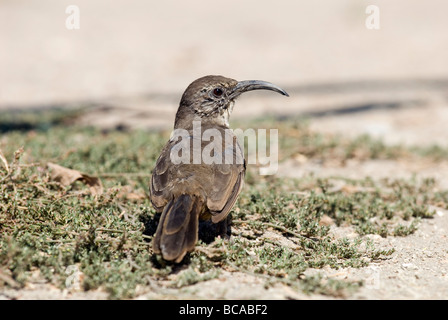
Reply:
x=223, y=196
x=160, y=180
x=227, y=183
x=219, y=183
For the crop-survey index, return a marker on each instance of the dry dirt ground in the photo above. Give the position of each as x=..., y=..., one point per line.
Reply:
x=418, y=269
x=391, y=83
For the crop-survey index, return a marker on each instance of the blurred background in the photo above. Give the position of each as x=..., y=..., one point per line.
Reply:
x=131, y=60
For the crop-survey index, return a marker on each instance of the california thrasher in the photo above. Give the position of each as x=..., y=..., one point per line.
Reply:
x=192, y=189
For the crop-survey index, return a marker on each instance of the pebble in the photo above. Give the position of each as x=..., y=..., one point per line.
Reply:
x=409, y=266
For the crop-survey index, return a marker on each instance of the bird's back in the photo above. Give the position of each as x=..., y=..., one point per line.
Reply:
x=214, y=170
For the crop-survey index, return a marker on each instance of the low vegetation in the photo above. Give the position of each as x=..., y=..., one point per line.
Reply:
x=281, y=227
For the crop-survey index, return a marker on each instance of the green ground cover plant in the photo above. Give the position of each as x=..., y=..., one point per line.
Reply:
x=47, y=226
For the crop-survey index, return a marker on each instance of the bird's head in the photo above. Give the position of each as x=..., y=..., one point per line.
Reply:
x=211, y=99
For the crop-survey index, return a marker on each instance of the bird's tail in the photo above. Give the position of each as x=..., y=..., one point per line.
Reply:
x=177, y=232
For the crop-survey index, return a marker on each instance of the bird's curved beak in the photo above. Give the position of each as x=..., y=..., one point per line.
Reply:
x=249, y=85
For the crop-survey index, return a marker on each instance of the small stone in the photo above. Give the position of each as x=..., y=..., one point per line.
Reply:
x=325, y=221
x=409, y=266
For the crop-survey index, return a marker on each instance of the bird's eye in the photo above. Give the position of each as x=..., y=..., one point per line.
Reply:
x=217, y=92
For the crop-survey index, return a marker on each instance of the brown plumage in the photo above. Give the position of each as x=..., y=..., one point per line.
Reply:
x=190, y=190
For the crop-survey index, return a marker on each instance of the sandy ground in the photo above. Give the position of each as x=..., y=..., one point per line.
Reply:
x=129, y=63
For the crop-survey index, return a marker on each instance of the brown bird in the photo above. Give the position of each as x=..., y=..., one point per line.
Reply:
x=197, y=177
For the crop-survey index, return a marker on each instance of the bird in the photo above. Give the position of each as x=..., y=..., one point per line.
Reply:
x=184, y=192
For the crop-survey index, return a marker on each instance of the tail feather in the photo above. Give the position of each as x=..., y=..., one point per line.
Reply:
x=177, y=232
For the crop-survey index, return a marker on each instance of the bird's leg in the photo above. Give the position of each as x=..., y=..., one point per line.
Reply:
x=223, y=228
